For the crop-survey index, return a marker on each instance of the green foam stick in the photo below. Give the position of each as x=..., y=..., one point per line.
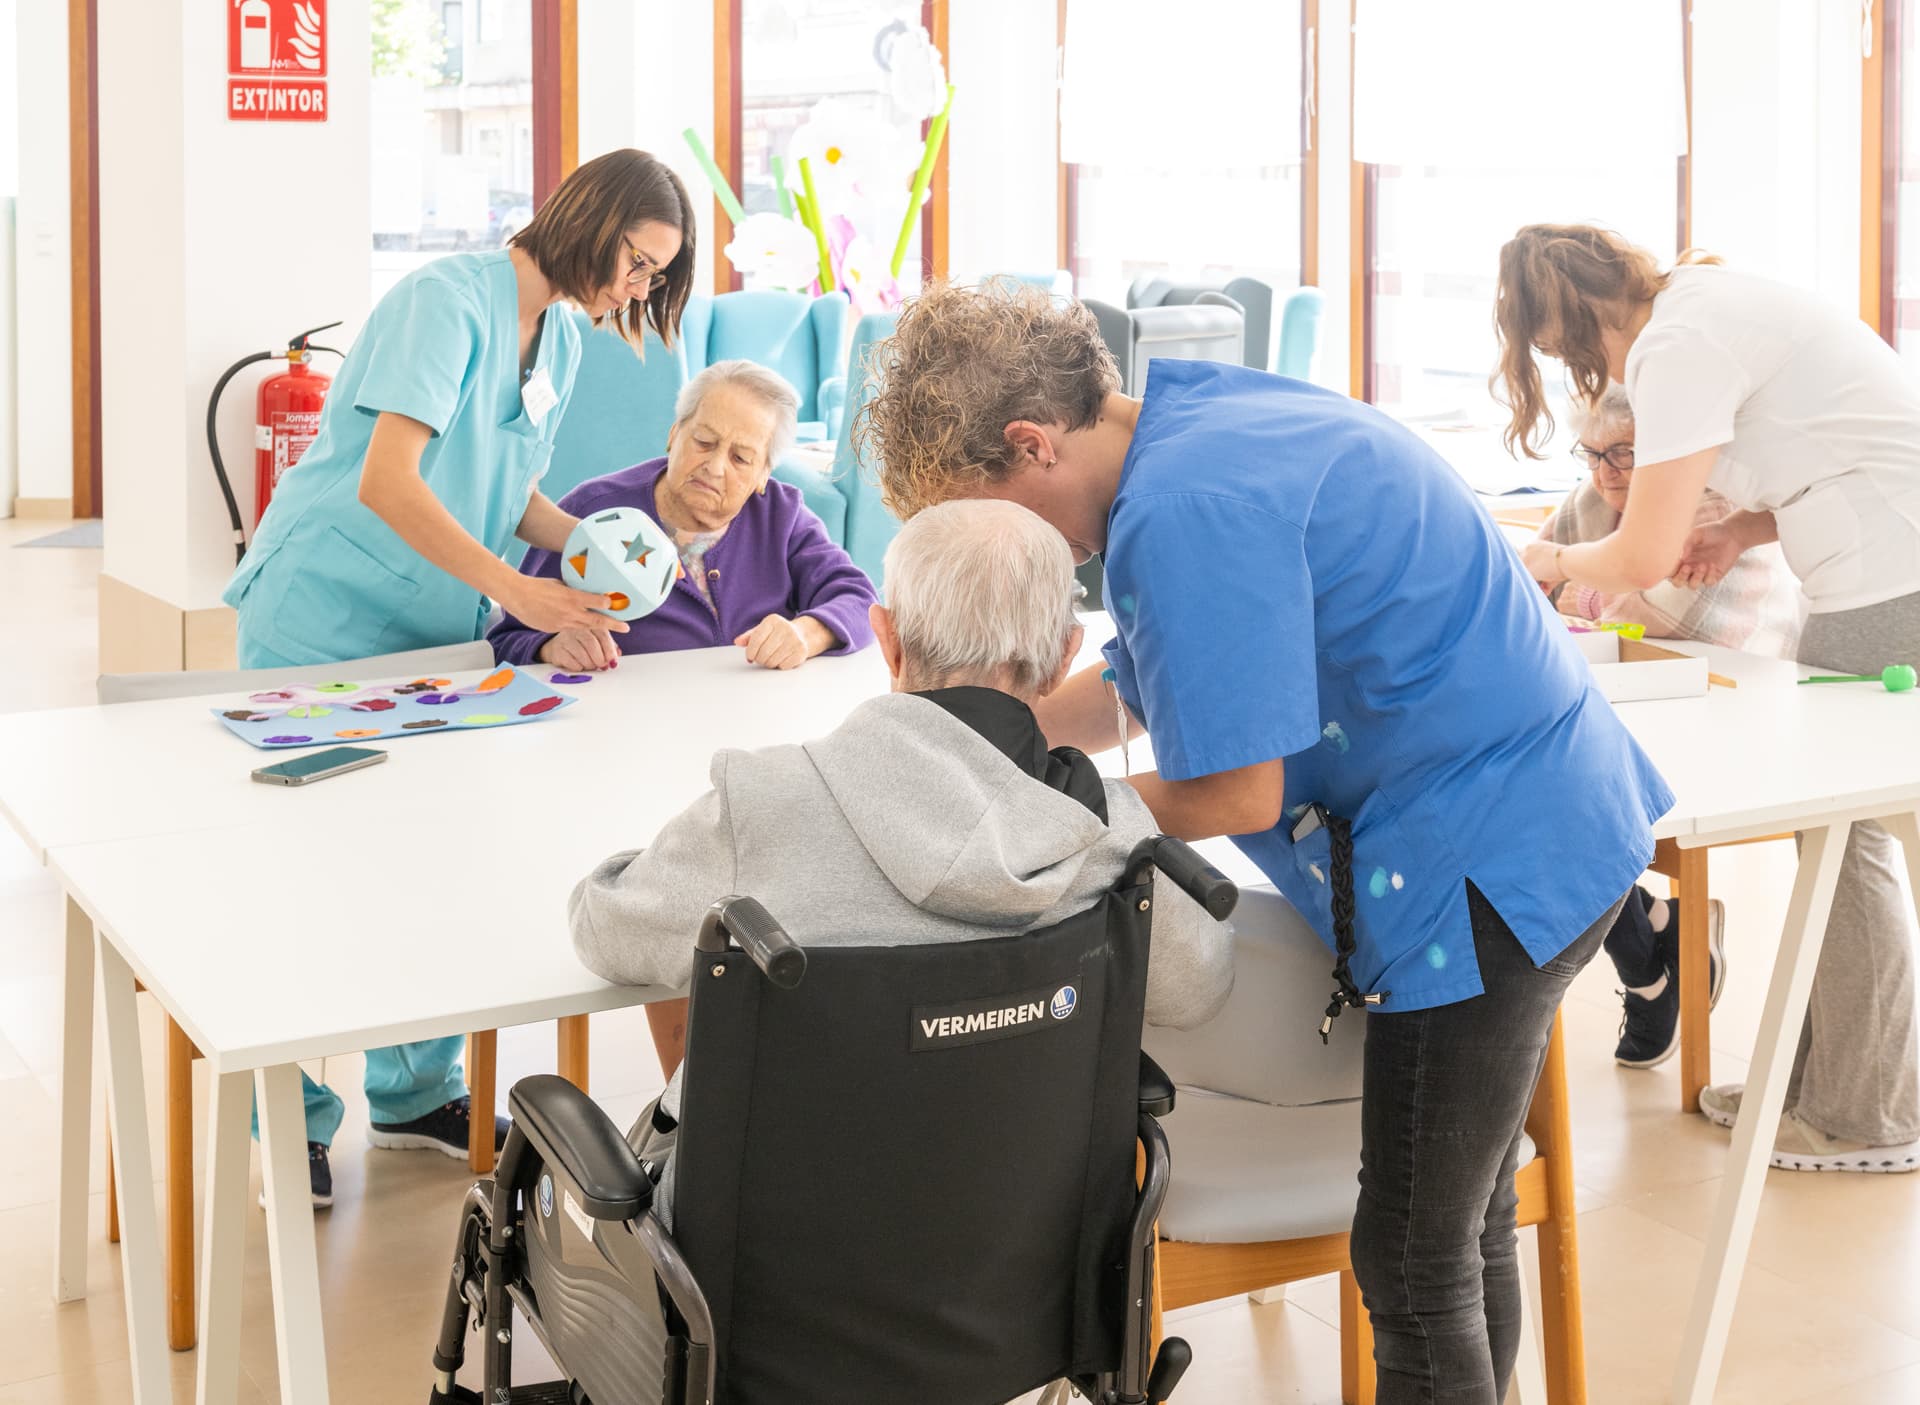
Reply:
x=1895, y=677
x=722, y=191
x=779, y=169
x=935, y=133
x=817, y=225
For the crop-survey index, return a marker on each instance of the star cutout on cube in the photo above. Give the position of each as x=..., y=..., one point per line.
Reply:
x=624, y=555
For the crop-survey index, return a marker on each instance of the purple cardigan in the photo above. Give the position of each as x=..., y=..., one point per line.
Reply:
x=776, y=559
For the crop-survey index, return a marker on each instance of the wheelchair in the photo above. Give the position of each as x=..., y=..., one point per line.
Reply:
x=912, y=1173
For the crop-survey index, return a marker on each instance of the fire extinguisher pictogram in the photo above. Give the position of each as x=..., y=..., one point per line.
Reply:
x=286, y=419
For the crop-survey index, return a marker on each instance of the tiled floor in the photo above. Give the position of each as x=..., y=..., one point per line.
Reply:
x=1830, y=1311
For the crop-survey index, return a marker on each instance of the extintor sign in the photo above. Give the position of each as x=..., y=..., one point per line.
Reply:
x=276, y=60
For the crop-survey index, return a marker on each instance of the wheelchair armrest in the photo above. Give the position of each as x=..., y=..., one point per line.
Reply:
x=1156, y=1089
x=1204, y=883
x=568, y=1128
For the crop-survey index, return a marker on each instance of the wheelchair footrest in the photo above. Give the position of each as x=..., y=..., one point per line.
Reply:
x=545, y=1393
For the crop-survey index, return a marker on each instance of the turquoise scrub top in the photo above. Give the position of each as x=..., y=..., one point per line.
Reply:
x=1294, y=575
x=326, y=579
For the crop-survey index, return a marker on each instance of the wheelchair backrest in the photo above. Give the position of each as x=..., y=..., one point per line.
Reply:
x=910, y=1178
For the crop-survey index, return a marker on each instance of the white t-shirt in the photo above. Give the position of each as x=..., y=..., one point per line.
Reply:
x=1817, y=419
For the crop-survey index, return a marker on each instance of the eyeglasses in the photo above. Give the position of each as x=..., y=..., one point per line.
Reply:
x=1618, y=457
x=642, y=273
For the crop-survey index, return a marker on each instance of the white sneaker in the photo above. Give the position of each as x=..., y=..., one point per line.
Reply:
x=1721, y=1105
x=1801, y=1146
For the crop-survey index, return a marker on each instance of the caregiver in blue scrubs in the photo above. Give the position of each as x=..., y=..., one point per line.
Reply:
x=389, y=533
x=1341, y=664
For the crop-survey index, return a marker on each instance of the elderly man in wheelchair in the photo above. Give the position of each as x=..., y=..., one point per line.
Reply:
x=912, y=1153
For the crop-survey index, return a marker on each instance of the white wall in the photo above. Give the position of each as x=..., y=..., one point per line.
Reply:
x=646, y=75
x=42, y=257
x=1001, y=175
x=1776, y=140
x=217, y=238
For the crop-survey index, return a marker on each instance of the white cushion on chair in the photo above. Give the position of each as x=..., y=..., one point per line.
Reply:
x=1246, y=1172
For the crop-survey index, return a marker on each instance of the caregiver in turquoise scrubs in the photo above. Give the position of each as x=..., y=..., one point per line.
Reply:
x=389, y=534
x=1340, y=663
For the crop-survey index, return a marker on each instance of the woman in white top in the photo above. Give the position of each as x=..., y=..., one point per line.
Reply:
x=1807, y=423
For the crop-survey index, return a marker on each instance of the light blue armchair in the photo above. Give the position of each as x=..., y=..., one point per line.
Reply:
x=869, y=526
x=1291, y=353
x=799, y=336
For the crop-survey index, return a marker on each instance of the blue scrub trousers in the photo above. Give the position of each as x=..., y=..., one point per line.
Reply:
x=404, y=1081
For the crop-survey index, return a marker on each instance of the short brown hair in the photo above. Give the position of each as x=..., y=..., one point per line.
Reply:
x=578, y=236
x=963, y=364
x=1559, y=282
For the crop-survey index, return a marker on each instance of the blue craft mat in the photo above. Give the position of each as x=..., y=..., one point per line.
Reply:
x=352, y=713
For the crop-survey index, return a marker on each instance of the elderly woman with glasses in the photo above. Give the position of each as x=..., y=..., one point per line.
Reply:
x=760, y=570
x=1755, y=606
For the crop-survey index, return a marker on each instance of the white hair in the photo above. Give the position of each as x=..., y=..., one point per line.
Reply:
x=981, y=592
x=1596, y=420
x=768, y=387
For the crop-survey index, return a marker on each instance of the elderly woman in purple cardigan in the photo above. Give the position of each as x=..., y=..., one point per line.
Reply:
x=761, y=573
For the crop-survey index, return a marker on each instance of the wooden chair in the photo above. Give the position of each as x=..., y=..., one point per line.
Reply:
x=1264, y=1185
x=1686, y=872
x=142, y=687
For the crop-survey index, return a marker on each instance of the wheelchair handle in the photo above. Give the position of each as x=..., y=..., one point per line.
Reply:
x=747, y=923
x=1204, y=883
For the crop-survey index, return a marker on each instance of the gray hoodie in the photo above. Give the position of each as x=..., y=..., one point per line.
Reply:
x=904, y=825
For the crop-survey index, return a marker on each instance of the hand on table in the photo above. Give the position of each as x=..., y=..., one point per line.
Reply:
x=777, y=642
x=1707, y=557
x=553, y=608
x=581, y=651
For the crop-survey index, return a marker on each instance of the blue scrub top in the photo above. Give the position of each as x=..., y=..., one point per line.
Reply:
x=1294, y=575
x=326, y=579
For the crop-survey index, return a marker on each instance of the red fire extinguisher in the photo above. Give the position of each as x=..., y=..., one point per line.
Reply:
x=286, y=419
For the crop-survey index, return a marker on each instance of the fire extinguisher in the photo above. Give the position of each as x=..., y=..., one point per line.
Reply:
x=286, y=418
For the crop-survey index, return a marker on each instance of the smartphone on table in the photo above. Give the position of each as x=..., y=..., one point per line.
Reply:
x=318, y=765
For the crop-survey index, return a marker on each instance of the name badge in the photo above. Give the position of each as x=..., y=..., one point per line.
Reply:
x=537, y=396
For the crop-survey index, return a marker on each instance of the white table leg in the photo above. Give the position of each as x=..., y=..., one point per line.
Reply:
x=295, y=1272
x=141, y=1268
x=76, y=1111
x=1730, y=1234
x=224, y=1238
x=1529, y=1384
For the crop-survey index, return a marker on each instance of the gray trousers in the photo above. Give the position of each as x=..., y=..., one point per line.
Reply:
x=1857, y=1073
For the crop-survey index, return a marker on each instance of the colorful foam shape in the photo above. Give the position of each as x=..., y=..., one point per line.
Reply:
x=623, y=553
x=411, y=709
x=494, y=681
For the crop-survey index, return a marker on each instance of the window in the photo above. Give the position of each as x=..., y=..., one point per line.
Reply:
x=451, y=134
x=818, y=64
x=1899, y=316
x=1462, y=146
x=1147, y=195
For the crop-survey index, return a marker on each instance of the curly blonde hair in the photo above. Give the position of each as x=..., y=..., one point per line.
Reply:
x=963, y=364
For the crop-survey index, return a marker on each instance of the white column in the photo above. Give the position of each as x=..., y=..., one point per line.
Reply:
x=42, y=256
x=217, y=238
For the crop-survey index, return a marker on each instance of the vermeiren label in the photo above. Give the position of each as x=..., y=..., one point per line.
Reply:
x=993, y=1017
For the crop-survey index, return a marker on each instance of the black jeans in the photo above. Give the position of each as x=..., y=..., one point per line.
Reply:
x=1445, y=1097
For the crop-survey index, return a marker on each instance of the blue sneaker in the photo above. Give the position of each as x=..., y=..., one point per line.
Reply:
x=443, y=1130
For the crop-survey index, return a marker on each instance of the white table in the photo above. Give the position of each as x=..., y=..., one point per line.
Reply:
x=215, y=893
x=148, y=819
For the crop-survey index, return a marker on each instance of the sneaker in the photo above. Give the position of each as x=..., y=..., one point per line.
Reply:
x=1801, y=1146
x=1649, y=1026
x=443, y=1130
x=1721, y=1105
x=319, y=1177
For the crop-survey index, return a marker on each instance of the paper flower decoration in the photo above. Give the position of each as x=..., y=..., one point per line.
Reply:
x=861, y=270
x=854, y=158
x=623, y=555
x=771, y=251
x=916, y=78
